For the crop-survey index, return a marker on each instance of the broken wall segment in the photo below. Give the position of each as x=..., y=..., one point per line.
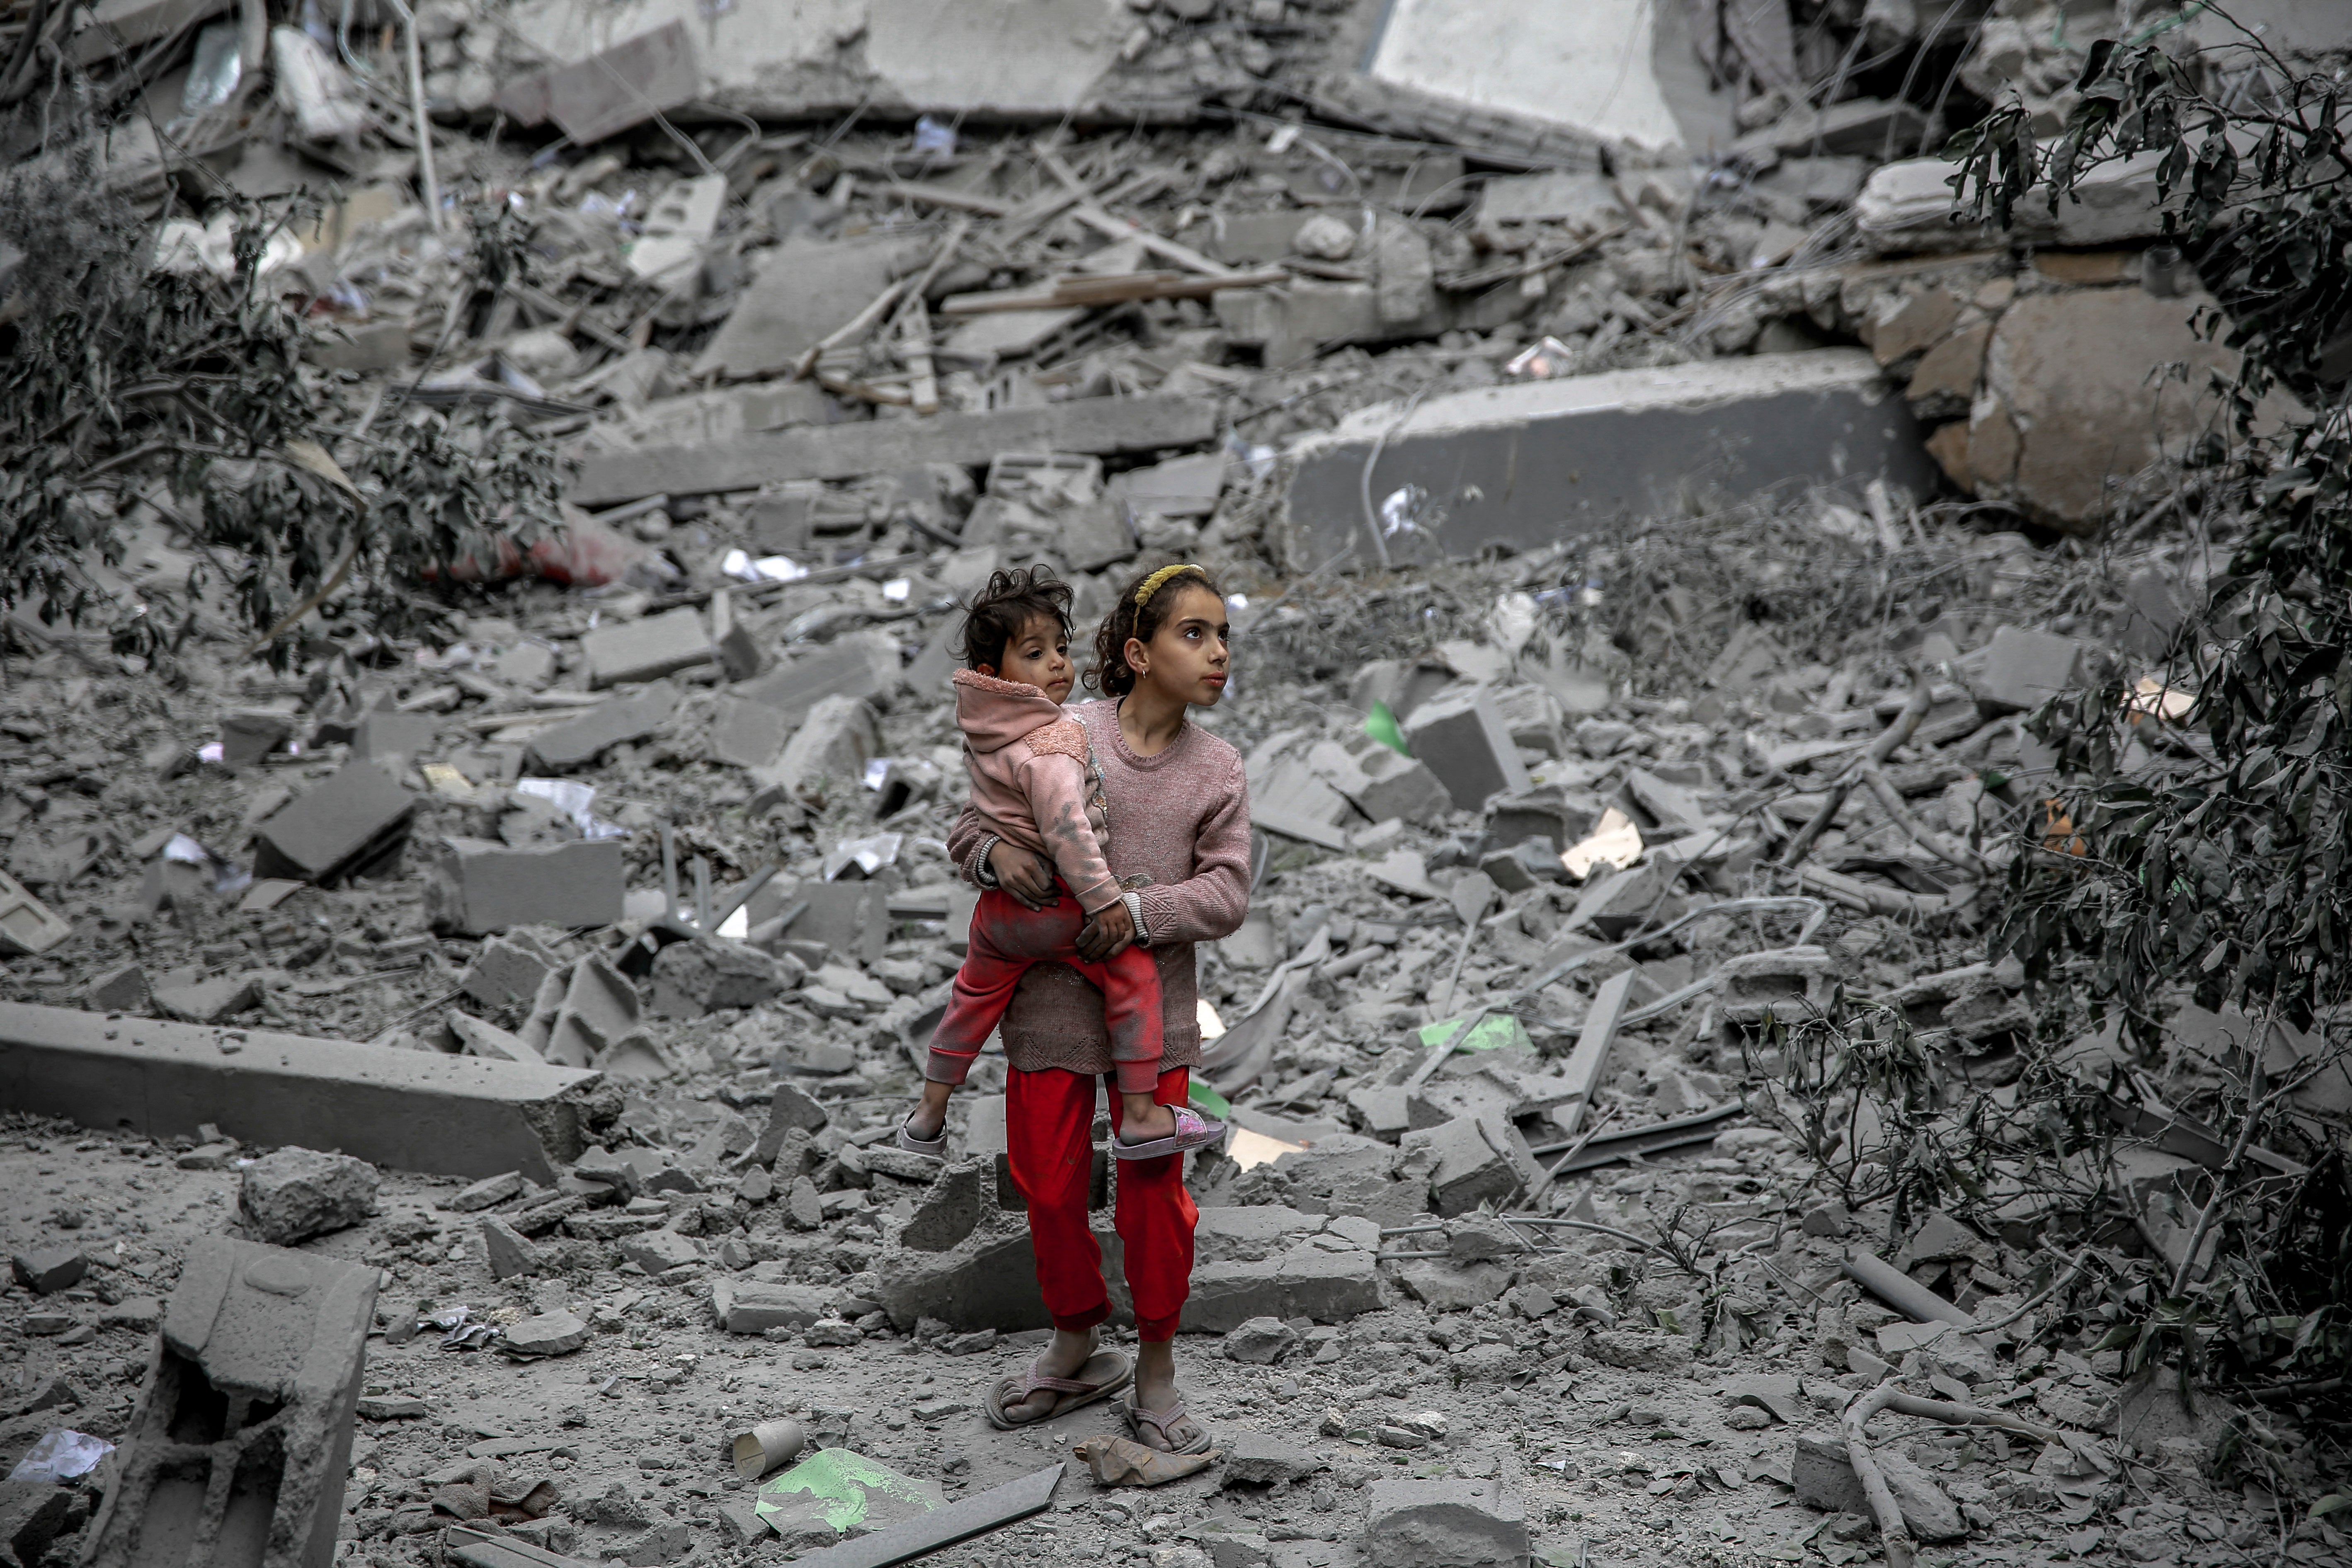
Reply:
x=1094, y=426
x=257, y=1378
x=459, y=1116
x=352, y=819
x=1530, y=464
x=477, y=886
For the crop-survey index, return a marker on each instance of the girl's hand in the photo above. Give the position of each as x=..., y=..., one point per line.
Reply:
x=1107, y=935
x=1027, y=875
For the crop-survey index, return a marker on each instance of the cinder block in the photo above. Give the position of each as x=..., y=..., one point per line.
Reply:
x=2024, y=669
x=508, y=969
x=598, y=730
x=393, y=739
x=701, y=976
x=747, y=1307
x=628, y=652
x=582, y=1013
x=413, y=1110
x=258, y=1375
x=354, y=818
x=1464, y=741
x=478, y=885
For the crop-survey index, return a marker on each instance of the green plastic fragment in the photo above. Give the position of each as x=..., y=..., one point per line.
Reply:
x=1208, y=1099
x=1494, y=1031
x=847, y=1491
x=1382, y=726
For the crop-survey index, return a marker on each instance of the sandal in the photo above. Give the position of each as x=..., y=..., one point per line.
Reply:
x=1159, y=1421
x=1105, y=1373
x=936, y=1148
x=1193, y=1130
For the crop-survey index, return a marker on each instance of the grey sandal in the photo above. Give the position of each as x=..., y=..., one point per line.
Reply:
x=936, y=1148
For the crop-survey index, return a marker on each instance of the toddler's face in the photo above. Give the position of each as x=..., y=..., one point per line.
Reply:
x=1039, y=653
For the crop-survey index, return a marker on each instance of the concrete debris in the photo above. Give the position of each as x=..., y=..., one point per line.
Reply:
x=1609, y=452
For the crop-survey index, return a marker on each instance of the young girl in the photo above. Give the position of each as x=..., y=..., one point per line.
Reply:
x=1035, y=784
x=1176, y=803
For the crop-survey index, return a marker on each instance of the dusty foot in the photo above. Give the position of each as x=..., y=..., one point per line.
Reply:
x=1143, y=1126
x=1062, y=1358
x=925, y=1123
x=1155, y=1389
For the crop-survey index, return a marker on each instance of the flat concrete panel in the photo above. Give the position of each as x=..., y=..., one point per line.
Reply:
x=1537, y=461
x=1585, y=66
x=414, y=1110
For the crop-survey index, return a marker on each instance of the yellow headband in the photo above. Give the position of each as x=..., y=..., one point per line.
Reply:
x=1159, y=579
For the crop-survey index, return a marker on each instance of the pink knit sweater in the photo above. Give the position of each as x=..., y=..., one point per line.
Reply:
x=1181, y=818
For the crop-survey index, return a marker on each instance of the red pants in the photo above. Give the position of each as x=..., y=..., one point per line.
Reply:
x=1049, y=1131
x=1007, y=938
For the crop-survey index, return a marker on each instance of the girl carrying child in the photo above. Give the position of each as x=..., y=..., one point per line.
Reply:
x=1165, y=804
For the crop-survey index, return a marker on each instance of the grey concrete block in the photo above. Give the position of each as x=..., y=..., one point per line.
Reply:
x=197, y=1000
x=45, y=1270
x=122, y=990
x=413, y=1110
x=2024, y=669
x=1444, y=1524
x=294, y=1195
x=790, y=1108
x=508, y=969
x=392, y=739
x=1586, y=450
x=1308, y=1282
x=550, y=1333
x=346, y=822
x=247, y=1327
x=614, y=722
x=851, y=919
x=826, y=755
x=481, y=1039
x=1444, y=1285
x=1824, y=1474
x=756, y=718
x=32, y=1515
x=748, y=1307
x=708, y=973
x=1259, y=1341
x=625, y=653
x=476, y=886
x=1463, y=740
x=1472, y=1160
x=659, y=1251
x=485, y=1194
x=1256, y=1459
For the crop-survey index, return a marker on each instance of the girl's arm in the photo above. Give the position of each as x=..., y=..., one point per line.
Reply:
x=1029, y=878
x=1210, y=903
x=964, y=840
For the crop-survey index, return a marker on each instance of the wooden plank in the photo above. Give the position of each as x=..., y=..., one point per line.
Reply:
x=1105, y=288
x=949, y=196
x=1089, y=426
x=942, y=1527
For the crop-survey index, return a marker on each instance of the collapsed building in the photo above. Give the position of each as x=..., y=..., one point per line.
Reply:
x=1649, y=515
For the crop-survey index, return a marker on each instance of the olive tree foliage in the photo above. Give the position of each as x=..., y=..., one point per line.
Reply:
x=2211, y=856
x=126, y=383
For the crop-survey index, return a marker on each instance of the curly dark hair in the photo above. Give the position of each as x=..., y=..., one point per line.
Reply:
x=1142, y=622
x=1011, y=601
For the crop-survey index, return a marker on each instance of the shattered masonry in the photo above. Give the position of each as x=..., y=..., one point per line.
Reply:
x=448, y=1082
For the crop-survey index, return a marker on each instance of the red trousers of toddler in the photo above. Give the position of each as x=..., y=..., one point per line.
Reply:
x=1049, y=1134
x=1008, y=937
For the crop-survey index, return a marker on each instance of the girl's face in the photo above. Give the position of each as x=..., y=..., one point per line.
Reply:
x=1187, y=656
x=1039, y=653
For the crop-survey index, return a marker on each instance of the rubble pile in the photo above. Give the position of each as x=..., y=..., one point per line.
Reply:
x=451, y=1075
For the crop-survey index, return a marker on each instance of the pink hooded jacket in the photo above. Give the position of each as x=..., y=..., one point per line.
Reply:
x=1034, y=780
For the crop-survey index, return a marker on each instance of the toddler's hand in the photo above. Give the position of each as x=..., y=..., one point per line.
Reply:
x=1107, y=935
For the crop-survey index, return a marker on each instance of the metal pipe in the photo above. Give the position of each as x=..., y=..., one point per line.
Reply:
x=424, y=169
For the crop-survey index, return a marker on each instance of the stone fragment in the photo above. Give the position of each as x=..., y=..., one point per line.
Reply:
x=790, y=1108
x=803, y=1208
x=46, y=1269
x=391, y=738
x=508, y=969
x=1444, y=1286
x=296, y=1194
x=1256, y=1459
x=1261, y=1341
x=624, y=653
x=749, y=1307
x=1472, y=1160
x=659, y=1251
x=755, y=719
x=120, y=990
x=1637, y=1351
x=548, y=1333
x=346, y=824
x=186, y=995
x=827, y=754
x=32, y=1515
x=487, y=1193
x=508, y=1251
x=480, y=1038
x=614, y=722
x=1824, y=1478
x=2024, y=669
x=1444, y=1524
x=706, y=974
x=1308, y=1281
x=477, y=886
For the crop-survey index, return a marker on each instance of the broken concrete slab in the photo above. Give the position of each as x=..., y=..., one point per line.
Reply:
x=609, y=92
x=292, y=1194
x=188, y=995
x=1444, y=1524
x=749, y=1307
x=349, y=821
x=1309, y=1280
x=1583, y=449
x=477, y=886
x=47, y=1269
x=600, y=728
x=1824, y=1478
x=1583, y=67
x=757, y=717
x=1096, y=425
x=247, y=1327
x=826, y=755
x=507, y=1250
x=26, y=924
x=508, y=969
x=801, y=290
x=407, y=1109
x=1464, y=741
x=1472, y=1159
x=629, y=653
